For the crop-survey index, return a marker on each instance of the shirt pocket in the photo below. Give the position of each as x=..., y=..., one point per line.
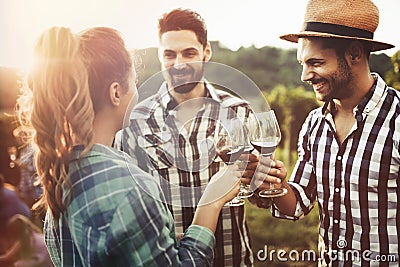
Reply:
x=159, y=149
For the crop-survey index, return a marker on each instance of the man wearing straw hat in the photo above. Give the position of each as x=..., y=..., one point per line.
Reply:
x=349, y=149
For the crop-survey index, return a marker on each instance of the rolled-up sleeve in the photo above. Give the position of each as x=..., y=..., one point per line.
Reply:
x=196, y=248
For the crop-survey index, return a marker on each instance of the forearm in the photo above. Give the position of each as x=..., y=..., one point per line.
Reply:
x=207, y=215
x=222, y=187
x=287, y=203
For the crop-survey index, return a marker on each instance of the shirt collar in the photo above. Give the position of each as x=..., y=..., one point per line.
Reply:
x=367, y=103
x=169, y=103
x=374, y=96
x=95, y=150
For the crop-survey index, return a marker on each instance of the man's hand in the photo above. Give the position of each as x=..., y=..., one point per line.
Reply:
x=248, y=165
x=269, y=171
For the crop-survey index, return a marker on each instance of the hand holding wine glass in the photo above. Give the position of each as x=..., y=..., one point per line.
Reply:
x=222, y=187
x=265, y=139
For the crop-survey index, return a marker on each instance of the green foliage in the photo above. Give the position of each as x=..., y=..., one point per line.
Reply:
x=291, y=107
x=283, y=234
x=380, y=63
x=266, y=66
x=393, y=75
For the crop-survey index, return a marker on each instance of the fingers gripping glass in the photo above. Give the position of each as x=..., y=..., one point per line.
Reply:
x=229, y=145
x=265, y=139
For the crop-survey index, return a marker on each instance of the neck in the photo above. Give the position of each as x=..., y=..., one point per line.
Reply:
x=197, y=92
x=104, y=130
x=362, y=84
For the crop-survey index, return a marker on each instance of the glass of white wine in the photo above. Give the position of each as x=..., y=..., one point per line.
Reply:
x=265, y=139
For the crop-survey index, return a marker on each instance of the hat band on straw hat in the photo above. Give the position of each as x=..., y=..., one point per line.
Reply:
x=337, y=30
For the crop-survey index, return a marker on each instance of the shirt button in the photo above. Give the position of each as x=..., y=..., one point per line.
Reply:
x=336, y=221
x=337, y=190
x=339, y=157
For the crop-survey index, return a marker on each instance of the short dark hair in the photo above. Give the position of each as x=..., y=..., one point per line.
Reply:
x=340, y=45
x=183, y=19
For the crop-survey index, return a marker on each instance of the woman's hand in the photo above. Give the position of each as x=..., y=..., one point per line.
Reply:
x=222, y=187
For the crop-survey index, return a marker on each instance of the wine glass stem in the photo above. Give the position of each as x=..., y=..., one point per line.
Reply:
x=271, y=186
x=236, y=201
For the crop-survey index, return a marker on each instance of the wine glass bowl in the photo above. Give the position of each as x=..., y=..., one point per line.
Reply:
x=265, y=138
x=229, y=146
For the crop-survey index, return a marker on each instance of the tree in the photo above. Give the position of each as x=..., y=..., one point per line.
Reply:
x=392, y=77
x=380, y=63
x=291, y=107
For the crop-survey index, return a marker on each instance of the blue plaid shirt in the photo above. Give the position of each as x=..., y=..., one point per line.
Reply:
x=112, y=220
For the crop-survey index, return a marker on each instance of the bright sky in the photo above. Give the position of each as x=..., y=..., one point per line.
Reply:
x=234, y=23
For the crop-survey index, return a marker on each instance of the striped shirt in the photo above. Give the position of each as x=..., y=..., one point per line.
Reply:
x=113, y=221
x=185, y=160
x=356, y=183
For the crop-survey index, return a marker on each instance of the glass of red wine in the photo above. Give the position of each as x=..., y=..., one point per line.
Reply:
x=229, y=145
x=265, y=139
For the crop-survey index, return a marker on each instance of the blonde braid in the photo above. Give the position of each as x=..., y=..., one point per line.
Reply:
x=60, y=111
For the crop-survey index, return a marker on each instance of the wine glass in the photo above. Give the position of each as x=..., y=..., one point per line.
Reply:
x=229, y=145
x=248, y=127
x=265, y=139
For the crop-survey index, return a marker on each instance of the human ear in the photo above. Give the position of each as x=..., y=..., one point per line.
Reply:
x=115, y=93
x=207, y=52
x=355, y=52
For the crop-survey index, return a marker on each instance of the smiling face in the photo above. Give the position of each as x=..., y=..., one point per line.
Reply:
x=329, y=75
x=182, y=56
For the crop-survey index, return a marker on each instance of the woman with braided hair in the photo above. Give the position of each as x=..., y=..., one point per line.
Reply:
x=101, y=210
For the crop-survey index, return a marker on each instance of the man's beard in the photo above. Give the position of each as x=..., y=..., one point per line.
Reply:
x=190, y=77
x=339, y=82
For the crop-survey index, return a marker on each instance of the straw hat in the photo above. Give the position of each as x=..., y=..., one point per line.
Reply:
x=349, y=19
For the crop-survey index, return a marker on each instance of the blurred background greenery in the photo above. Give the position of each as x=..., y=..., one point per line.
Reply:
x=279, y=234
x=277, y=73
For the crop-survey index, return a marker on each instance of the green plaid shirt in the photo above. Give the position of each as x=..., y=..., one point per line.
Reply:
x=112, y=221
